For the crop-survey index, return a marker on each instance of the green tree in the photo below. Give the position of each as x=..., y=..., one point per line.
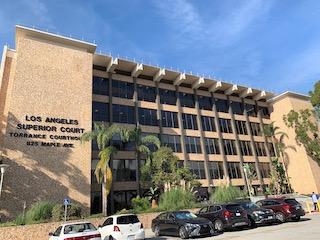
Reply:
x=315, y=98
x=142, y=145
x=102, y=135
x=162, y=169
x=224, y=194
x=251, y=174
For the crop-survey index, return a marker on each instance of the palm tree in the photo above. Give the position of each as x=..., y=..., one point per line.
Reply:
x=271, y=131
x=141, y=145
x=102, y=135
x=251, y=174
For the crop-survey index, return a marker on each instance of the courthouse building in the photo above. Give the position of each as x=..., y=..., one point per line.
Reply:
x=52, y=88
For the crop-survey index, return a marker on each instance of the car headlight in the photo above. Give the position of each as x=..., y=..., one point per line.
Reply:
x=191, y=226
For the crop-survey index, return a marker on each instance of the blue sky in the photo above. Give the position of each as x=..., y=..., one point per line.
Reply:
x=271, y=45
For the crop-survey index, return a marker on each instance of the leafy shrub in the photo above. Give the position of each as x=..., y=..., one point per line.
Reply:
x=176, y=199
x=223, y=194
x=39, y=212
x=73, y=212
x=140, y=204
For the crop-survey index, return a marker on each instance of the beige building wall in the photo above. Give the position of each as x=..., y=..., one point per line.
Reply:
x=303, y=171
x=45, y=80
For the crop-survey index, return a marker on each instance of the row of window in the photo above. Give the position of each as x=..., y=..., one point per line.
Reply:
x=146, y=93
x=124, y=170
x=125, y=114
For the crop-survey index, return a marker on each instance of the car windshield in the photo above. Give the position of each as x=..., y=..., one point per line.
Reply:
x=79, y=227
x=127, y=219
x=249, y=205
x=184, y=215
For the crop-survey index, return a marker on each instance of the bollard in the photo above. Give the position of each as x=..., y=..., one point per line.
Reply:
x=318, y=204
x=308, y=206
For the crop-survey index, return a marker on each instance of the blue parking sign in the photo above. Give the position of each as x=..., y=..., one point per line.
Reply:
x=66, y=201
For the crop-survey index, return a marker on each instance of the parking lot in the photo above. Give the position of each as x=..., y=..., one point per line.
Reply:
x=306, y=228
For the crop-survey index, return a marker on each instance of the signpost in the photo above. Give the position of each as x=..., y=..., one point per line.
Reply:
x=66, y=202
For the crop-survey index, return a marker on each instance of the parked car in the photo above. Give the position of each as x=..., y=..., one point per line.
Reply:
x=181, y=223
x=258, y=215
x=284, y=208
x=225, y=216
x=76, y=230
x=122, y=226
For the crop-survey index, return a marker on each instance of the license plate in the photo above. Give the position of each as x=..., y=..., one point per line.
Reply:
x=238, y=214
x=298, y=207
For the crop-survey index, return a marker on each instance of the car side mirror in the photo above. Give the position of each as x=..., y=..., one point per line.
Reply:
x=50, y=233
x=99, y=226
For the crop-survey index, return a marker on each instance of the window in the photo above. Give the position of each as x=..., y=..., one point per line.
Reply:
x=265, y=170
x=146, y=93
x=260, y=150
x=237, y=108
x=205, y=102
x=167, y=96
x=241, y=127
x=197, y=167
x=208, y=124
x=212, y=145
x=120, y=144
x=189, y=121
x=124, y=170
x=245, y=147
x=216, y=170
x=234, y=170
x=186, y=100
x=225, y=125
x=169, y=119
x=172, y=141
x=193, y=144
x=255, y=129
x=251, y=110
x=221, y=105
x=264, y=112
x=100, y=112
x=123, y=114
x=148, y=116
x=123, y=199
x=122, y=89
x=271, y=149
x=229, y=147
x=100, y=86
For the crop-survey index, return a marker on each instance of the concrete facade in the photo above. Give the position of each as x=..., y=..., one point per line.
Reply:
x=46, y=103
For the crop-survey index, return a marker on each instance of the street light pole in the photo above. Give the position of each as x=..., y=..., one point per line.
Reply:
x=3, y=168
x=247, y=182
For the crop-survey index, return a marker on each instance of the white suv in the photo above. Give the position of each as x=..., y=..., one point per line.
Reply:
x=122, y=226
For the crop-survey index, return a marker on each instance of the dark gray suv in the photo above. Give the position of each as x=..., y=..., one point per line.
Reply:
x=225, y=216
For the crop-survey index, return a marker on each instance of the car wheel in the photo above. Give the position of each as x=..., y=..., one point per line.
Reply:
x=296, y=218
x=218, y=225
x=156, y=231
x=252, y=223
x=280, y=217
x=183, y=233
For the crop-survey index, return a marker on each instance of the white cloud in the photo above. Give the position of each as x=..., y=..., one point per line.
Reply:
x=38, y=9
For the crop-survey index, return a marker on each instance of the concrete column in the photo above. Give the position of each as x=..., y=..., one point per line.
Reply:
x=224, y=157
x=182, y=138
x=202, y=142
x=111, y=195
x=159, y=109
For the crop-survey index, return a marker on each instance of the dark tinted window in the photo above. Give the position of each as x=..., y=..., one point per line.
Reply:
x=122, y=89
x=233, y=207
x=291, y=202
x=148, y=116
x=108, y=221
x=186, y=100
x=193, y=144
x=146, y=93
x=216, y=170
x=100, y=111
x=189, y=121
x=212, y=145
x=100, y=85
x=225, y=125
x=221, y=105
x=167, y=96
x=123, y=114
x=205, y=102
x=208, y=124
x=237, y=108
x=127, y=219
x=251, y=110
x=241, y=127
x=172, y=141
x=169, y=119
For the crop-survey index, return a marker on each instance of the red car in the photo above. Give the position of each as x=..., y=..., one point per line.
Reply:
x=284, y=208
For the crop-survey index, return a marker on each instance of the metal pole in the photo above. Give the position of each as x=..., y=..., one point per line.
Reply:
x=1, y=182
x=247, y=182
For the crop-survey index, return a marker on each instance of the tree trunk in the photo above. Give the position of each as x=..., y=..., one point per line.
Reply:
x=104, y=199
